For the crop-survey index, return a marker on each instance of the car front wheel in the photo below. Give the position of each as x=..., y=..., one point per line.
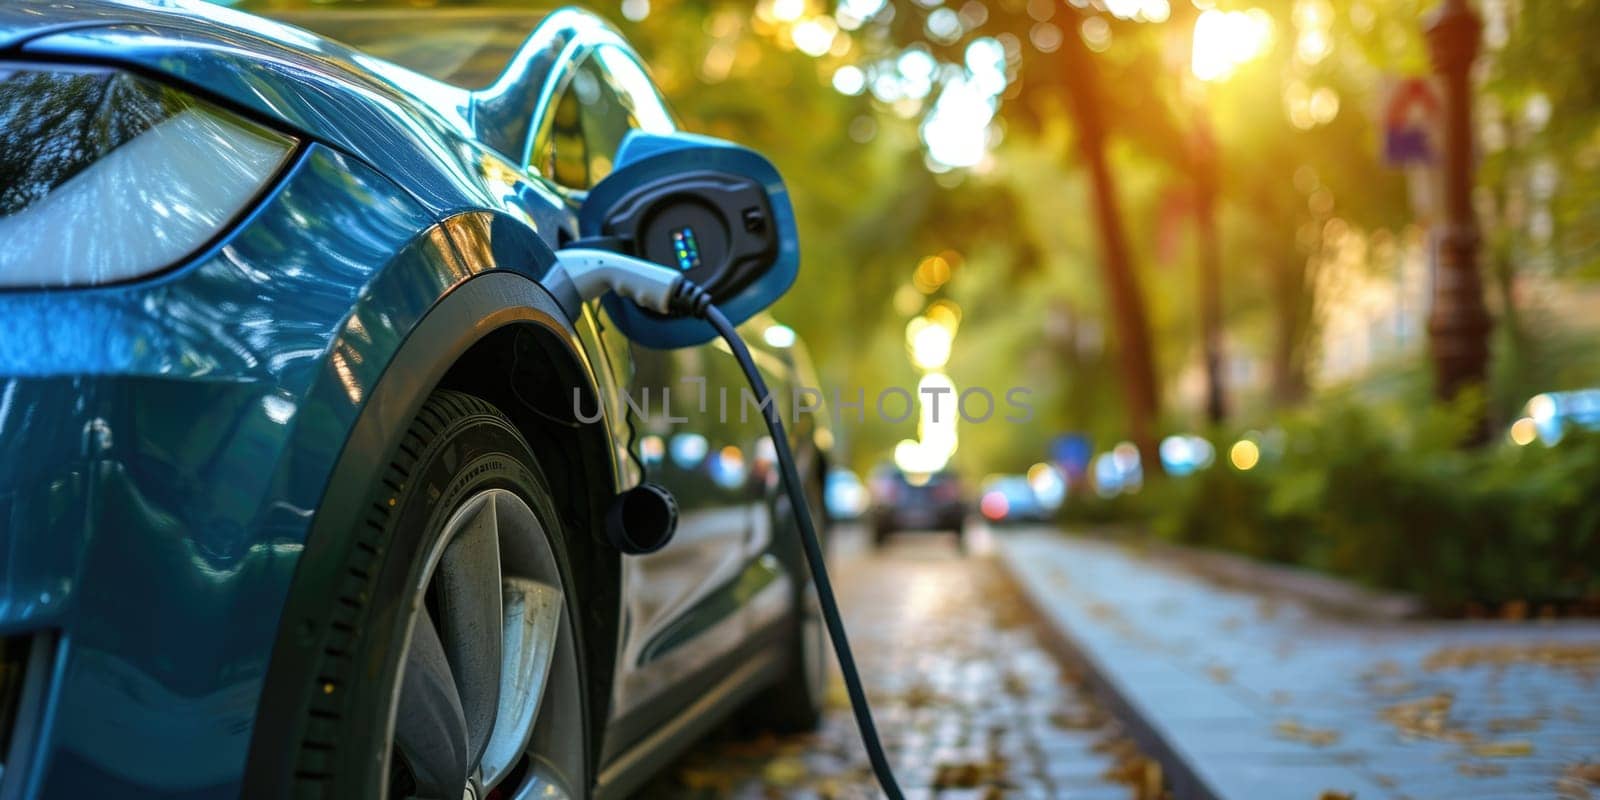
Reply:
x=458, y=672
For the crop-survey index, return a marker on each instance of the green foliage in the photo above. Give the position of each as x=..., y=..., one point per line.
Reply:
x=1120, y=509
x=1358, y=491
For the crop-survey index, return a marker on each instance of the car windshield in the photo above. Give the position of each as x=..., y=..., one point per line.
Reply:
x=464, y=44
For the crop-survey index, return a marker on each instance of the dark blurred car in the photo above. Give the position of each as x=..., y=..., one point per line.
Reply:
x=1011, y=499
x=916, y=502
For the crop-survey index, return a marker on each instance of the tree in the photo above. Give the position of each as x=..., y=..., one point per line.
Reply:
x=1085, y=97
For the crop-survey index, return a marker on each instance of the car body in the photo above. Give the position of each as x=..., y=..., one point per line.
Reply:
x=903, y=501
x=1551, y=414
x=184, y=447
x=1011, y=499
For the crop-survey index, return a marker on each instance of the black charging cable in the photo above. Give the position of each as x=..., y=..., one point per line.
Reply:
x=691, y=300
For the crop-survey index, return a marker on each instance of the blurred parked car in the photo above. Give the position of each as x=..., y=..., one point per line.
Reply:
x=845, y=496
x=904, y=501
x=1011, y=498
x=1546, y=417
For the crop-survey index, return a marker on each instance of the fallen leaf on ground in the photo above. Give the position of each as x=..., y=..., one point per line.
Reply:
x=701, y=780
x=1514, y=724
x=784, y=771
x=1102, y=611
x=1427, y=717
x=1014, y=684
x=920, y=696
x=968, y=774
x=1317, y=737
x=1135, y=770
x=1581, y=658
x=1584, y=773
x=1578, y=781
x=1076, y=720
x=1384, y=669
x=1507, y=749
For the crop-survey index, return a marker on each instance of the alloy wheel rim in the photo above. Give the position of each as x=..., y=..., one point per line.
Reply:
x=488, y=703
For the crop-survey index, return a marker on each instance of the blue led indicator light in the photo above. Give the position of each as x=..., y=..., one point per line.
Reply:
x=686, y=248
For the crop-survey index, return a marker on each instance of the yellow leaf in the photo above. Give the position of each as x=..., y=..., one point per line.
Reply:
x=1506, y=749
x=784, y=771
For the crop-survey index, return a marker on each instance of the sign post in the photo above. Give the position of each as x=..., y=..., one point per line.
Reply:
x=1458, y=323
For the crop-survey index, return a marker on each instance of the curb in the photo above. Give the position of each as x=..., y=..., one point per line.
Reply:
x=1332, y=596
x=1180, y=776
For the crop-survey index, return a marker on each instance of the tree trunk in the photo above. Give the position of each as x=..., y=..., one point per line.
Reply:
x=1204, y=167
x=1291, y=310
x=1121, y=282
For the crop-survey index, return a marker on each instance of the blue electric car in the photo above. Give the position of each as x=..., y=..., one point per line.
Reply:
x=308, y=451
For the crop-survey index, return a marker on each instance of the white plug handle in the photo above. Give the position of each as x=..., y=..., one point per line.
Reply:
x=595, y=272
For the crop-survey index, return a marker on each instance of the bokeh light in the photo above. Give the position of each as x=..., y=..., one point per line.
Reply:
x=946, y=314
x=1225, y=40
x=929, y=343
x=1244, y=454
x=728, y=468
x=651, y=449
x=1049, y=487
x=814, y=37
x=932, y=272
x=850, y=80
x=1524, y=431
x=688, y=450
x=781, y=336
x=788, y=10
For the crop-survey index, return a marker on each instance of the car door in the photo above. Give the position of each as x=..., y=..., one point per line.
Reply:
x=685, y=605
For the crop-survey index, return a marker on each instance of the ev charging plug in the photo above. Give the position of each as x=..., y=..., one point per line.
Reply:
x=593, y=273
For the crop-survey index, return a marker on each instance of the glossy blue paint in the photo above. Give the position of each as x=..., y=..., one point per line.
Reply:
x=644, y=157
x=502, y=115
x=168, y=442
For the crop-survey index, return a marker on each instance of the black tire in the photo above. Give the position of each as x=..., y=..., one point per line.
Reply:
x=457, y=447
x=795, y=703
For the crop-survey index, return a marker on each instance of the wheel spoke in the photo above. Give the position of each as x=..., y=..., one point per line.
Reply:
x=429, y=730
x=467, y=587
x=532, y=622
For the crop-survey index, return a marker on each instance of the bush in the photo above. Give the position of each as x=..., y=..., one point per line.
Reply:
x=1358, y=491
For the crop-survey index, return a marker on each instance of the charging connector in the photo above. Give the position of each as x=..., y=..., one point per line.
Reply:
x=594, y=272
x=659, y=289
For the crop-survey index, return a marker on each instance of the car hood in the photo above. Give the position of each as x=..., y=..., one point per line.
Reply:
x=312, y=86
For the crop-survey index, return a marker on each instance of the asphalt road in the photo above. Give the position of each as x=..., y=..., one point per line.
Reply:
x=969, y=702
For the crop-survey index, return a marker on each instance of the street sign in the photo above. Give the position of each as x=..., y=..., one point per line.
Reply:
x=1071, y=452
x=1411, y=123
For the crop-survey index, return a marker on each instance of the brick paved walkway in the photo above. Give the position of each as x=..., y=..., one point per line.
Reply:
x=1260, y=697
x=968, y=701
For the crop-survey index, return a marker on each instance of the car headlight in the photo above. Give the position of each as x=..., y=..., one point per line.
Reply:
x=107, y=176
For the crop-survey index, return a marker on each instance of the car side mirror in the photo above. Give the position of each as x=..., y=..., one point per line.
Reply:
x=717, y=212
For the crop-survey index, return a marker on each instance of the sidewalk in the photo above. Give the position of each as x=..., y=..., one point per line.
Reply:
x=1245, y=696
x=970, y=703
